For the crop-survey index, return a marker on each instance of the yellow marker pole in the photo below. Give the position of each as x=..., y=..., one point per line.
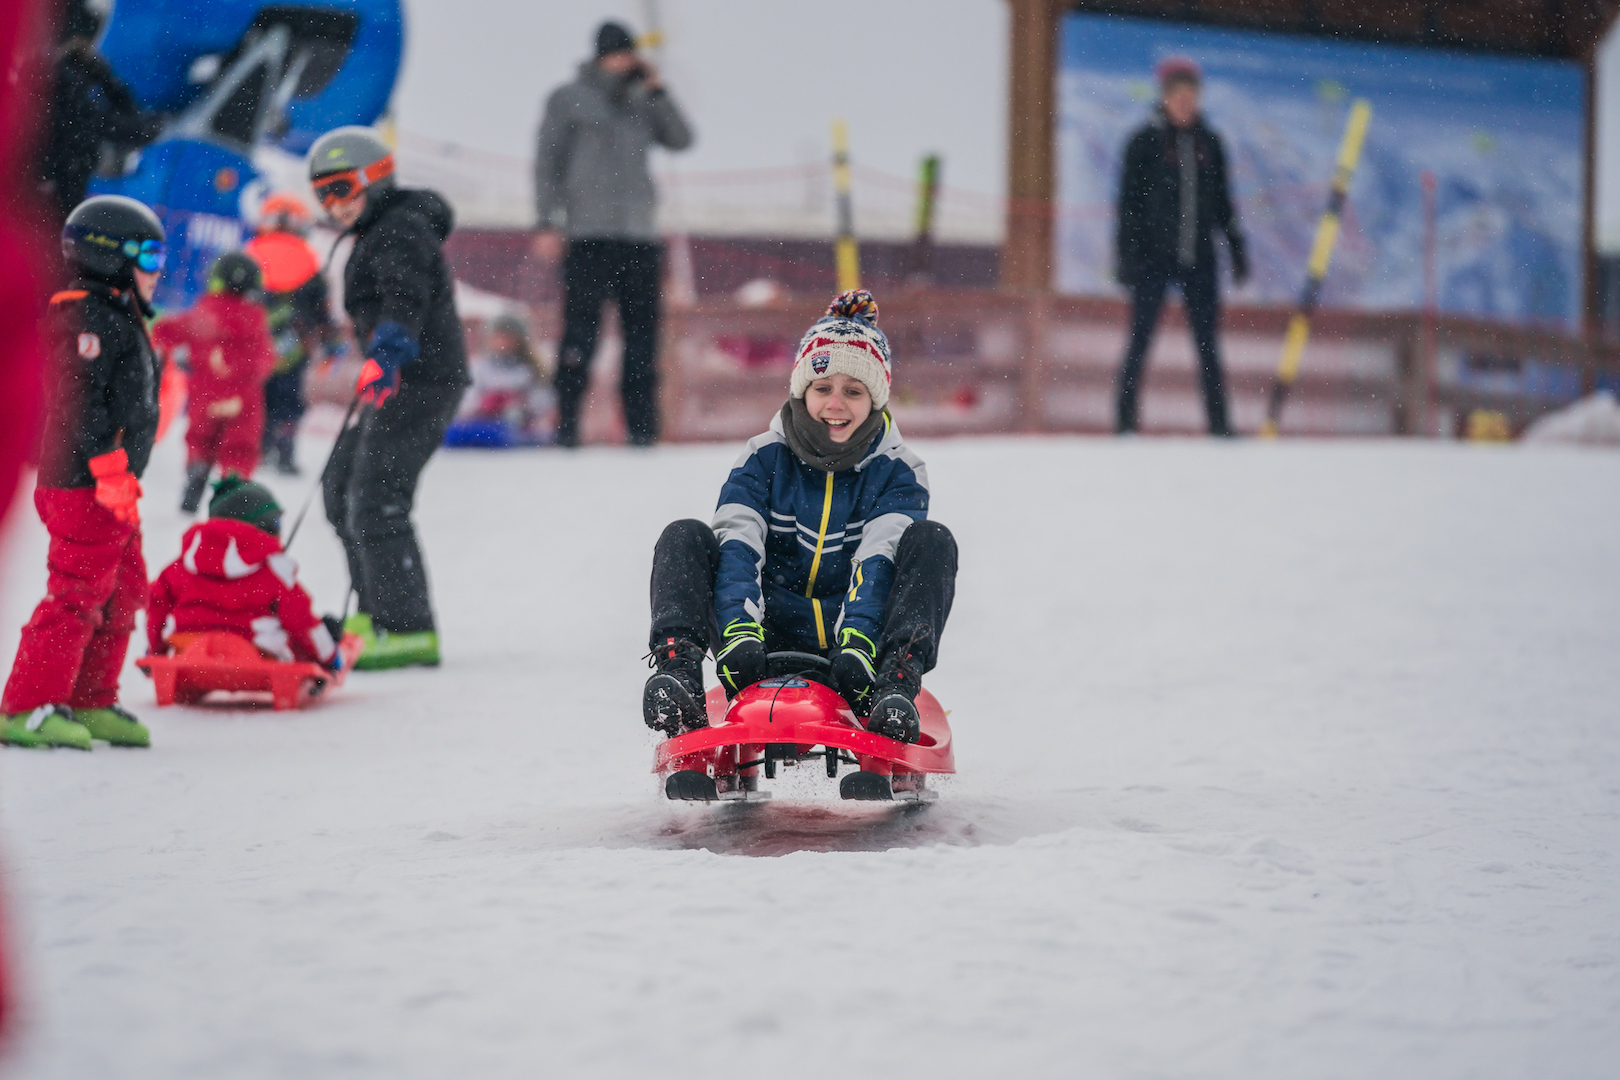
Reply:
x=845, y=250
x=1327, y=235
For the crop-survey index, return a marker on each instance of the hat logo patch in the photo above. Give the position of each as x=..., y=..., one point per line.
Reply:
x=820, y=362
x=89, y=346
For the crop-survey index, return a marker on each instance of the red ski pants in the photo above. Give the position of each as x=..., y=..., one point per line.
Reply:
x=73, y=648
x=232, y=443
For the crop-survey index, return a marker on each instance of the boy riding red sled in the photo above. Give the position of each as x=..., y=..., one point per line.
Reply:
x=820, y=544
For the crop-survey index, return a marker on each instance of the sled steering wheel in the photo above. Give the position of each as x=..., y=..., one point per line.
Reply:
x=805, y=665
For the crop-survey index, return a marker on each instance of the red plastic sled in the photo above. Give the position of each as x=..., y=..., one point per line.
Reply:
x=220, y=661
x=784, y=719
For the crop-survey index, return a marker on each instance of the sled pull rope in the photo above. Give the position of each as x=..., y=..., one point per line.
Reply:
x=320, y=481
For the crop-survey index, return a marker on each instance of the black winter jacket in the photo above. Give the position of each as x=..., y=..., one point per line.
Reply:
x=1150, y=202
x=102, y=384
x=397, y=273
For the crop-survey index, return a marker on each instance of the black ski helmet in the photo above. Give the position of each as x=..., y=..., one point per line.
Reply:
x=235, y=272
x=354, y=155
x=105, y=235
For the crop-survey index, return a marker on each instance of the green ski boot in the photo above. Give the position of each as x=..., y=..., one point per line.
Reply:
x=48, y=725
x=359, y=624
x=115, y=725
x=400, y=650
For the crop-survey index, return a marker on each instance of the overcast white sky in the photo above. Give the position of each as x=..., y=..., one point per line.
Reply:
x=763, y=78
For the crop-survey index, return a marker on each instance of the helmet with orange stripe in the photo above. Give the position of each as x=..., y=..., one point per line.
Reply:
x=347, y=162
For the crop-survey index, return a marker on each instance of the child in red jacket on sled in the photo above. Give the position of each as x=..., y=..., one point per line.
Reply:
x=225, y=340
x=232, y=576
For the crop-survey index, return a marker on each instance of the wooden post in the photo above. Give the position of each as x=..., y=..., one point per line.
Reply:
x=1032, y=374
x=1026, y=252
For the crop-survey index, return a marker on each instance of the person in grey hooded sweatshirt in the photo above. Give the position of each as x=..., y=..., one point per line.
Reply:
x=594, y=197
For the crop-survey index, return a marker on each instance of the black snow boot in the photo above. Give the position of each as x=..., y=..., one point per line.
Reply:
x=285, y=465
x=894, y=696
x=196, y=484
x=673, y=700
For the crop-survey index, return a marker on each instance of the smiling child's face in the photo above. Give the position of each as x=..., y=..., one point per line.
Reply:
x=841, y=402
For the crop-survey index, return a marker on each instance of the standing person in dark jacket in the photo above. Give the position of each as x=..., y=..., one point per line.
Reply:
x=400, y=297
x=100, y=422
x=592, y=184
x=89, y=106
x=1173, y=195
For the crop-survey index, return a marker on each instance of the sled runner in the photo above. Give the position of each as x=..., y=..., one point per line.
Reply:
x=220, y=661
x=782, y=721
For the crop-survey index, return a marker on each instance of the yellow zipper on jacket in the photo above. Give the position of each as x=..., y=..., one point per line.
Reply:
x=821, y=537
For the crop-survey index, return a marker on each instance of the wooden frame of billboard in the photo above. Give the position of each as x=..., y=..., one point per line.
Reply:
x=1557, y=29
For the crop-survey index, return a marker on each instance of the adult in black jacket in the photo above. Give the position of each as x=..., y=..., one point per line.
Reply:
x=399, y=294
x=89, y=107
x=1173, y=196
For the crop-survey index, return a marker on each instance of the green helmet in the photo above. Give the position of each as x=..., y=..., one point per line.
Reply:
x=244, y=500
x=235, y=272
x=347, y=161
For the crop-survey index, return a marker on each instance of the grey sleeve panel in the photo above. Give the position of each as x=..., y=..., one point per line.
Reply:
x=882, y=536
x=553, y=147
x=755, y=445
x=734, y=521
x=670, y=128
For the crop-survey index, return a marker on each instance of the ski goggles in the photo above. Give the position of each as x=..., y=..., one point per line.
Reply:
x=340, y=187
x=148, y=255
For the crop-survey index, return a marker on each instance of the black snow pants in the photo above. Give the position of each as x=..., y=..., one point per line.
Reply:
x=628, y=272
x=370, y=489
x=1198, y=290
x=687, y=556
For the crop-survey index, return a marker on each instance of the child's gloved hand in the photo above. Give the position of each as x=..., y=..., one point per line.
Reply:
x=334, y=627
x=854, y=669
x=392, y=348
x=741, y=661
x=116, y=488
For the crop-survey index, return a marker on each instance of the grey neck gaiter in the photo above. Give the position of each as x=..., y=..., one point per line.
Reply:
x=812, y=443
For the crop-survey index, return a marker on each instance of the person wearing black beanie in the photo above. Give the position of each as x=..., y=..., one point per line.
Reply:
x=611, y=38
x=594, y=199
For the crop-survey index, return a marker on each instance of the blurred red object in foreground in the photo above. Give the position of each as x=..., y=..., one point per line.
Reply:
x=23, y=26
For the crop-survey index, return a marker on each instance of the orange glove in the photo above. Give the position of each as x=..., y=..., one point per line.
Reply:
x=376, y=383
x=116, y=489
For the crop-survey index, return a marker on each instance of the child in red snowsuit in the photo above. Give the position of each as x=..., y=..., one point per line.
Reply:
x=100, y=423
x=225, y=338
x=232, y=576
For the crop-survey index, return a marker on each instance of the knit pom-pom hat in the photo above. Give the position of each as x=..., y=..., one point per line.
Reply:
x=846, y=340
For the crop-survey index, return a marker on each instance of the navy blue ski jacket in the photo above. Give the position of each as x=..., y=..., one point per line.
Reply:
x=805, y=552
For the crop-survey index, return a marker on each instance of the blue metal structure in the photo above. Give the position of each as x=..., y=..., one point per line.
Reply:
x=235, y=75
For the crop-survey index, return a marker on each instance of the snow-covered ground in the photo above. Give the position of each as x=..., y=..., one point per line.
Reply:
x=1278, y=761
